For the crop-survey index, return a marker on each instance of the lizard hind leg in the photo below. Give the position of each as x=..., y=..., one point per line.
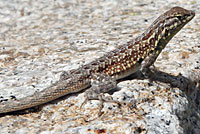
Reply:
x=100, y=84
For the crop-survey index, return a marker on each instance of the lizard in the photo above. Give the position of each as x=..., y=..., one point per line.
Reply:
x=103, y=74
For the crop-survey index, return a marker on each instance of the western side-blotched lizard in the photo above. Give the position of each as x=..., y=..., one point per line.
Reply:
x=102, y=75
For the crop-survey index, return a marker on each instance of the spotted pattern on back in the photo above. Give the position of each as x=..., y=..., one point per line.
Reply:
x=129, y=56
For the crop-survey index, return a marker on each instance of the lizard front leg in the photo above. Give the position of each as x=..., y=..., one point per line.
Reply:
x=147, y=63
x=151, y=58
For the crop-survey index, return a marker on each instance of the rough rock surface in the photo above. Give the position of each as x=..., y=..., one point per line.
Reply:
x=40, y=39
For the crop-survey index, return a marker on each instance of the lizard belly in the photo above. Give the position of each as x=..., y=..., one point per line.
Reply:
x=127, y=72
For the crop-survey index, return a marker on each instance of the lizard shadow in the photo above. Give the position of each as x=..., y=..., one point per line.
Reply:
x=189, y=117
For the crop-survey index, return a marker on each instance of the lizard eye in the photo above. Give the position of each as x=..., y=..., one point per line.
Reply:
x=180, y=17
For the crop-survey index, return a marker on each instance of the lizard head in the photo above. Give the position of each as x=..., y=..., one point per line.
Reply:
x=180, y=14
x=167, y=25
x=174, y=20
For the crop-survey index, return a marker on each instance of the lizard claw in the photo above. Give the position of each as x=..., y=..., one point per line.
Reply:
x=84, y=102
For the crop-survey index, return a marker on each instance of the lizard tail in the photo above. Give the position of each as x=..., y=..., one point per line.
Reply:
x=56, y=90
